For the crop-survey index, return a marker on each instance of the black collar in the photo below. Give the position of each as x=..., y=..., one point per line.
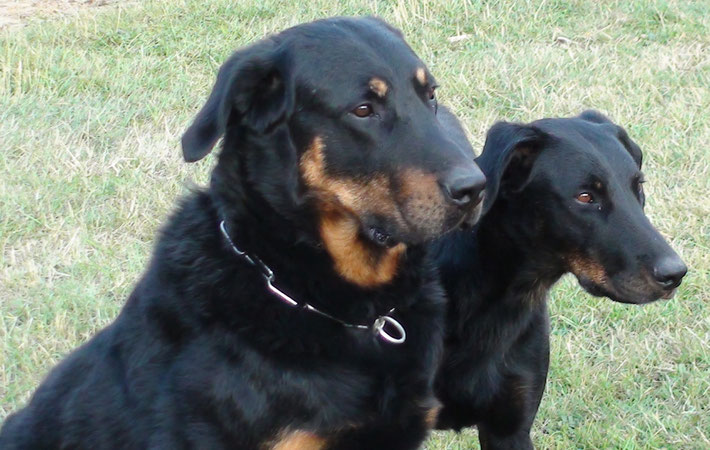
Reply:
x=377, y=327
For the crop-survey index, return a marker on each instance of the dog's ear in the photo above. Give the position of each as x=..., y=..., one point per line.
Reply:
x=507, y=158
x=595, y=116
x=253, y=88
x=633, y=149
x=631, y=146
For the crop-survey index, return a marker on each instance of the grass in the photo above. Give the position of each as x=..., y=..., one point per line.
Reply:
x=92, y=108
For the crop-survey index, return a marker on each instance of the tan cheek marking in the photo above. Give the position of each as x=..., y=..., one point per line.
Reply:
x=378, y=86
x=313, y=165
x=588, y=268
x=417, y=183
x=299, y=440
x=373, y=195
x=354, y=259
x=420, y=74
x=424, y=203
x=343, y=199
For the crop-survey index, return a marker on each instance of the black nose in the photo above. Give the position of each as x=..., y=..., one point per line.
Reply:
x=669, y=271
x=464, y=187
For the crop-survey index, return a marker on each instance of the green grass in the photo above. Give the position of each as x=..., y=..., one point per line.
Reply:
x=92, y=108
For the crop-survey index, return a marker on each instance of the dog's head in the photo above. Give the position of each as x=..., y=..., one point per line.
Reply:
x=339, y=117
x=576, y=188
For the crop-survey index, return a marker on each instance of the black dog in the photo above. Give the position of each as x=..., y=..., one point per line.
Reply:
x=334, y=172
x=564, y=195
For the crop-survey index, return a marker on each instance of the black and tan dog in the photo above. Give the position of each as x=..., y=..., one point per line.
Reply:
x=564, y=195
x=334, y=172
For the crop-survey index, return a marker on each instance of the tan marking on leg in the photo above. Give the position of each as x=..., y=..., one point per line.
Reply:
x=432, y=416
x=421, y=76
x=299, y=440
x=378, y=86
x=341, y=202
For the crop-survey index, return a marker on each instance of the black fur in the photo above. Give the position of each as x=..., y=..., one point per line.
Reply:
x=532, y=232
x=203, y=355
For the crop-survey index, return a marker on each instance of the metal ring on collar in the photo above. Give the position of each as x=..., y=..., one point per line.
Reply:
x=379, y=328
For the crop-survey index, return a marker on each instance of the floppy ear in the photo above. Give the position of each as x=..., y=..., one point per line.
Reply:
x=631, y=146
x=507, y=158
x=634, y=150
x=252, y=89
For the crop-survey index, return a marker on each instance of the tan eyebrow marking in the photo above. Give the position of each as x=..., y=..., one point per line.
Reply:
x=420, y=74
x=378, y=86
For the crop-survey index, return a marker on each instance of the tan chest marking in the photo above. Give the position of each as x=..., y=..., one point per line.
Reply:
x=432, y=416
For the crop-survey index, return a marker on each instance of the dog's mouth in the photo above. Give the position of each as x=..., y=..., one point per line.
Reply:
x=382, y=237
x=669, y=294
x=472, y=217
x=412, y=226
x=620, y=293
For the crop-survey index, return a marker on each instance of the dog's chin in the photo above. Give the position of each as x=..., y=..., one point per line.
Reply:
x=621, y=295
x=380, y=237
x=388, y=236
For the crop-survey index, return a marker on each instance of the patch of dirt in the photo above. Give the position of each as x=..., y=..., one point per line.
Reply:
x=14, y=13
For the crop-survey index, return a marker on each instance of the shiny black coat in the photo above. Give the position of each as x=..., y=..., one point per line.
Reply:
x=564, y=195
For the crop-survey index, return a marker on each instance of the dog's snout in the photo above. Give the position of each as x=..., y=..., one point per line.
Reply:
x=669, y=272
x=463, y=187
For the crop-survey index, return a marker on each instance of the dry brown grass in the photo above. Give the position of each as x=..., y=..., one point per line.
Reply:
x=15, y=13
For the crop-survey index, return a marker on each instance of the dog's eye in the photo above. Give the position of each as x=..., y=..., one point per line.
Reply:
x=585, y=197
x=364, y=110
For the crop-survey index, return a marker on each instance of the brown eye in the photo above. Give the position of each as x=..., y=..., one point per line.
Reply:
x=364, y=110
x=585, y=197
x=432, y=94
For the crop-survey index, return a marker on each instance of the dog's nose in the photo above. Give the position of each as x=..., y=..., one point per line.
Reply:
x=464, y=188
x=669, y=271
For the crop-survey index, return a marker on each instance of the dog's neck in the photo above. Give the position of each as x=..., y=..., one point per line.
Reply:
x=512, y=242
x=495, y=265
x=302, y=267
